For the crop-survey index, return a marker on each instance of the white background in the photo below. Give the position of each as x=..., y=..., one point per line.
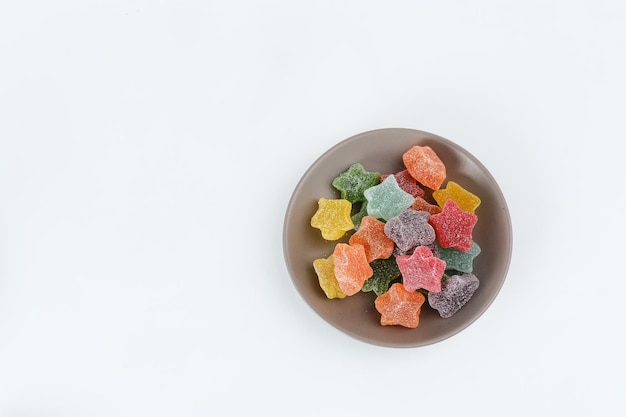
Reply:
x=148, y=150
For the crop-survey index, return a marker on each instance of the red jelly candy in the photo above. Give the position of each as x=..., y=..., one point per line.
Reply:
x=453, y=227
x=421, y=270
x=407, y=183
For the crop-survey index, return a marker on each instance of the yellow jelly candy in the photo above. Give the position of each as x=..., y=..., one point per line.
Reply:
x=463, y=198
x=333, y=218
x=325, y=270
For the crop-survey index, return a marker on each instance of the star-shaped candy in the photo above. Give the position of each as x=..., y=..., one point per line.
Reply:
x=458, y=260
x=385, y=271
x=387, y=199
x=400, y=307
x=454, y=226
x=421, y=270
x=351, y=267
x=455, y=293
x=371, y=235
x=407, y=183
x=463, y=198
x=352, y=182
x=410, y=229
x=333, y=218
x=325, y=270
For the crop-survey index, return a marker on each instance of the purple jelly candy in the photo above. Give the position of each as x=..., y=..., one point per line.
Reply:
x=455, y=292
x=410, y=229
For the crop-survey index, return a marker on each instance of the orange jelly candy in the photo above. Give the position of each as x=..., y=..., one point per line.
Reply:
x=351, y=267
x=425, y=166
x=400, y=307
x=422, y=205
x=371, y=235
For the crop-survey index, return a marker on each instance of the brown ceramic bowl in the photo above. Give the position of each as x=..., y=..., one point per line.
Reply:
x=381, y=151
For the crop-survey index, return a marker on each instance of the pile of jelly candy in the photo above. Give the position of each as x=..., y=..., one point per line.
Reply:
x=406, y=249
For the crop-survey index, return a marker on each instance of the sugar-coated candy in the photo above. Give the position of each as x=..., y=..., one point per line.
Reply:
x=463, y=198
x=385, y=271
x=401, y=245
x=387, y=199
x=371, y=235
x=410, y=229
x=422, y=205
x=407, y=183
x=352, y=182
x=358, y=216
x=454, y=226
x=458, y=260
x=351, y=267
x=421, y=270
x=456, y=291
x=400, y=307
x=434, y=248
x=333, y=218
x=325, y=270
x=425, y=166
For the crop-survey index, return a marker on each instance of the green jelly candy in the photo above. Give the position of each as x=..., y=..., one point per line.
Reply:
x=356, y=219
x=387, y=199
x=353, y=182
x=458, y=260
x=385, y=271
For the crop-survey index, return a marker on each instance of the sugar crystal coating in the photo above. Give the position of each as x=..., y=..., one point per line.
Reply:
x=333, y=218
x=422, y=205
x=425, y=166
x=387, y=199
x=458, y=260
x=385, y=271
x=407, y=183
x=400, y=307
x=352, y=182
x=410, y=229
x=371, y=235
x=325, y=270
x=463, y=198
x=358, y=216
x=421, y=270
x=454, y=226
x=351, y=267
x=456, y=291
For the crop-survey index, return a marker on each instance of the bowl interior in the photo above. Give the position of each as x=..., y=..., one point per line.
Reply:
x=381, y=151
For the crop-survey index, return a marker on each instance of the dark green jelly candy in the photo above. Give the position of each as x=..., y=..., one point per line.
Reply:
x=385, y=271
